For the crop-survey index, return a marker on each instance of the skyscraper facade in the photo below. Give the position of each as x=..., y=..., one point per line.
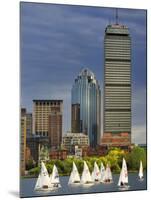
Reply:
x=55, y=129
x=42, y=110
x=117, y=80
x=86, y=92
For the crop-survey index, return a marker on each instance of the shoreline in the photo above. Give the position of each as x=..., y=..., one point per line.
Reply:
x=28, y=177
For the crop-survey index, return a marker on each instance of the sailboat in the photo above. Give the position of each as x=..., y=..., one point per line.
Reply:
x=54, y=178
x=86, y=178
x=108, y=175
x=140, y=175
x=74, y=176
x=95, y=173
x=123, y=179
x=43, y=181
x=102, y=173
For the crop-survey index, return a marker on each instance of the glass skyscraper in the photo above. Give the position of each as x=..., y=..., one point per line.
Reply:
x=86, y=92
x=117, y=80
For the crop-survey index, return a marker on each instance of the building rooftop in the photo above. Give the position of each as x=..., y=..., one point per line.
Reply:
x=69, y=134
x=87, y=72
x=47, y=100
x=117, y=29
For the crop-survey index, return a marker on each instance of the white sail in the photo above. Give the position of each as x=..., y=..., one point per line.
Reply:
x=74, y=176
x=86, y=176
x=102, y=173
x=55, y=182
x=38, y=183
x=140, y=170
x=43, y=181
x=123, y=179
x=96, y=173
x=108, y=174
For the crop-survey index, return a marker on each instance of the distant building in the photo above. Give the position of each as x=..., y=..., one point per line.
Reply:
x=75, y=118
x=86, y=92
x=29, y=124
x=58, y=154
x=23, y=141
x=55, y=129
x=70, y=140
x=117, y=82
x=35, y=145
x=78, y=152
x=47, y=120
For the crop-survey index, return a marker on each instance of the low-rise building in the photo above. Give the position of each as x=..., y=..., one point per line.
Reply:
x=70, y=140
x=58, y=154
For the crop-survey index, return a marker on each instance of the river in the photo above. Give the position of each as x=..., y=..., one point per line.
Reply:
x=27, y=186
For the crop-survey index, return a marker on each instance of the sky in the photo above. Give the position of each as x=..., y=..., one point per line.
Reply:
x=58, y=41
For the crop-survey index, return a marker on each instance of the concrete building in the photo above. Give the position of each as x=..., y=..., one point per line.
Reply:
x=23, y=141
x=47, y=119
x=86, y=92
x=75, y=118
x=117, y=80
x=72, y=140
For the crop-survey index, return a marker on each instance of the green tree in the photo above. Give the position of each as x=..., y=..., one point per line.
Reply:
x=134, y=157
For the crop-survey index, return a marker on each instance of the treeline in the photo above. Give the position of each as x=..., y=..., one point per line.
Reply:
x=113, y=158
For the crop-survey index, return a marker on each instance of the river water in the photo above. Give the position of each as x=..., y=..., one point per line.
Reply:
x=27, y=186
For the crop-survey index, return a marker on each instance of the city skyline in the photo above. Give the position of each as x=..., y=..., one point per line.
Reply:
x=71, y=40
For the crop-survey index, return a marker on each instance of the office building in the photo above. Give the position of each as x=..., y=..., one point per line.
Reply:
x=117, y=81
x=86, y=92
x=47, y=119
x=55, y=129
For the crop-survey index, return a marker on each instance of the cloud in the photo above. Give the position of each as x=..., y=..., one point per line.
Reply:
x=139, y=134
x=139, y=106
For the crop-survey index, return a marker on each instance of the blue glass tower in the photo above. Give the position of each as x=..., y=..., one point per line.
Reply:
x=86, y=92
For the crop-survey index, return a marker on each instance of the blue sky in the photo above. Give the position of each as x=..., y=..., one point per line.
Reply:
x=57, y=41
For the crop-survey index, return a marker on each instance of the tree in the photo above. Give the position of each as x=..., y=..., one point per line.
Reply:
x=134, y=157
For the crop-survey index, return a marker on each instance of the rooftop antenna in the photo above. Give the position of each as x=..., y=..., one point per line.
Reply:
x=116, y=16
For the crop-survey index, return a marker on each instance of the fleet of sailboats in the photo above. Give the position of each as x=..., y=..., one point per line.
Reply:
x=47, y=183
